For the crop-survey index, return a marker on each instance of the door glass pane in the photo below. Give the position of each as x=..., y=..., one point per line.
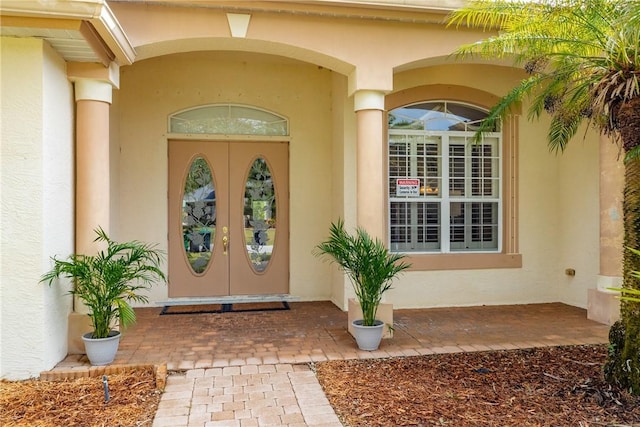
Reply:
x=199, y=214
x=259, y=215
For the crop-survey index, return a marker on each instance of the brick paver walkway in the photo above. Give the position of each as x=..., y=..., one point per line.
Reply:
x=252, y=369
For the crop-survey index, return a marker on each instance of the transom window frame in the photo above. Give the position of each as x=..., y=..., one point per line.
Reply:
x=237, y=121
x=508, y=255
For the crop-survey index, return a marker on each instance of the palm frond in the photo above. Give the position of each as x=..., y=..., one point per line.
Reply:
x=561, y=130
x=486, y=14
x=107, y=281
x=505, y=106
x=370, y=267
x=632, y=154
x=583, y=58
x=528, y=29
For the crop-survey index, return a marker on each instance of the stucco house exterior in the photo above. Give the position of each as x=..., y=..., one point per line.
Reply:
x=232, y=133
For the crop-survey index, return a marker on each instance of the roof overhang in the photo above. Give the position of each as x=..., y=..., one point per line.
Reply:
x=444, y=6
x=80, y=30
x=389, y=10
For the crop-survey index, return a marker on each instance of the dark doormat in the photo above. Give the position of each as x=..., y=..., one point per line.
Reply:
x=225, y=308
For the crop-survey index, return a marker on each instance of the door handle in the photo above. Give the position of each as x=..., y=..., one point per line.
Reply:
x=225, y=243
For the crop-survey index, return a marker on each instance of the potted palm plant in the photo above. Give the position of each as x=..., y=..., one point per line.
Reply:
x=371, y=268
x=106, y=283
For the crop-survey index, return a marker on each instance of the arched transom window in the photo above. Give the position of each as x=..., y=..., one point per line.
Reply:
x=228, y=119
x=444, y=190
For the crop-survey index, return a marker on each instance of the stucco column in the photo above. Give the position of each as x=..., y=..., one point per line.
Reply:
x=369, y=107
x=603, y=306
x=370, y=183
x=93, y=99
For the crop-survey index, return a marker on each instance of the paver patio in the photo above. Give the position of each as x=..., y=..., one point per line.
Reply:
x=252, y=368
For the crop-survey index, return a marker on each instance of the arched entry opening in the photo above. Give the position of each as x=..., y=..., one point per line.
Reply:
x=228, y=202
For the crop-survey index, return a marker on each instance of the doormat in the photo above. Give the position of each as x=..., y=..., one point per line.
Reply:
x=242, y=307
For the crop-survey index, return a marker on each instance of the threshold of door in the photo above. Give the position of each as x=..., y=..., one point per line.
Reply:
x=233, y=299
x=233, y=304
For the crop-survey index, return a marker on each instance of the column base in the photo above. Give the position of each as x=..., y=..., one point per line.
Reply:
x=385, y=313
x=79, y=324
x=603, y=306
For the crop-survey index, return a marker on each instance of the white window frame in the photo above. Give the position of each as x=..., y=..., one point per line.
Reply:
x=444, y=198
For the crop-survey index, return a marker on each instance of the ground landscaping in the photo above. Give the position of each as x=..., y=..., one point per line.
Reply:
x=556, y=386
x=561, y=386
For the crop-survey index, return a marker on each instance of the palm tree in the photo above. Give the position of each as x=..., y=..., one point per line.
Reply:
x=583, y=62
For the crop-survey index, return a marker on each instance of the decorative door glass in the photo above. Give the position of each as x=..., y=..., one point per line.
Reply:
x=199, y=215
x=228, y=119
x=259, y=215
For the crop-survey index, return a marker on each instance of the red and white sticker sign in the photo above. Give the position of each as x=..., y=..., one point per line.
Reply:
x=407, y=187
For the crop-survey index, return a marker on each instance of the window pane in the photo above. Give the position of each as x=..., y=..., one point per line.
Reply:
x=415, y=157
x=456, y=170
x=260, y=215
x=398, y=161
x=415, y=226
x=428, y=166
x=228, y=119
x=474, y=226
x=431, y=149
x=199, y=215
x=484, y=170
x=437, y=116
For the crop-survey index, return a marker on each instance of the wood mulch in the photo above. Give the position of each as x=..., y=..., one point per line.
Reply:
x=133, y=401
x=557, y=386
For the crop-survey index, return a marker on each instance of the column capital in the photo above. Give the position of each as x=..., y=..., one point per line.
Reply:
x=94, y=82
x=93, y=90
x=368, y=100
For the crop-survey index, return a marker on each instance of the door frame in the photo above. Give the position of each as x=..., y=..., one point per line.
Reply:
x=282, y=236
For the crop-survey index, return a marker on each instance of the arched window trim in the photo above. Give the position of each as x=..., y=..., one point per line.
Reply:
x=468, y=124
x=509, y=257
x=234, y=122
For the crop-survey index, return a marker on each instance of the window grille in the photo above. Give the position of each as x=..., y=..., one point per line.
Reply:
x=444, y=190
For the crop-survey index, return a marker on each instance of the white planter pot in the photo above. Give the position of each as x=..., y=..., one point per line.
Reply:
x=101, y=351
x=368, y=337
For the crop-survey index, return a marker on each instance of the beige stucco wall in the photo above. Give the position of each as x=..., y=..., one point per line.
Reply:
x=37, y=205
x=334, y=39
x=578, y=223
x=153, y=89
x=344, y=184
x=58, y=195
x=305, y=65
x=558, y=215
x=388, y=55
x=553, y=189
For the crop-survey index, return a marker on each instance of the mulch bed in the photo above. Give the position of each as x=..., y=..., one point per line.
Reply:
x=133, y=401
x=558, y=386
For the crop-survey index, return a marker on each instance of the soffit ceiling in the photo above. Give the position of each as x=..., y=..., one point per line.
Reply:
x=70, y=44
x=80, y=30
